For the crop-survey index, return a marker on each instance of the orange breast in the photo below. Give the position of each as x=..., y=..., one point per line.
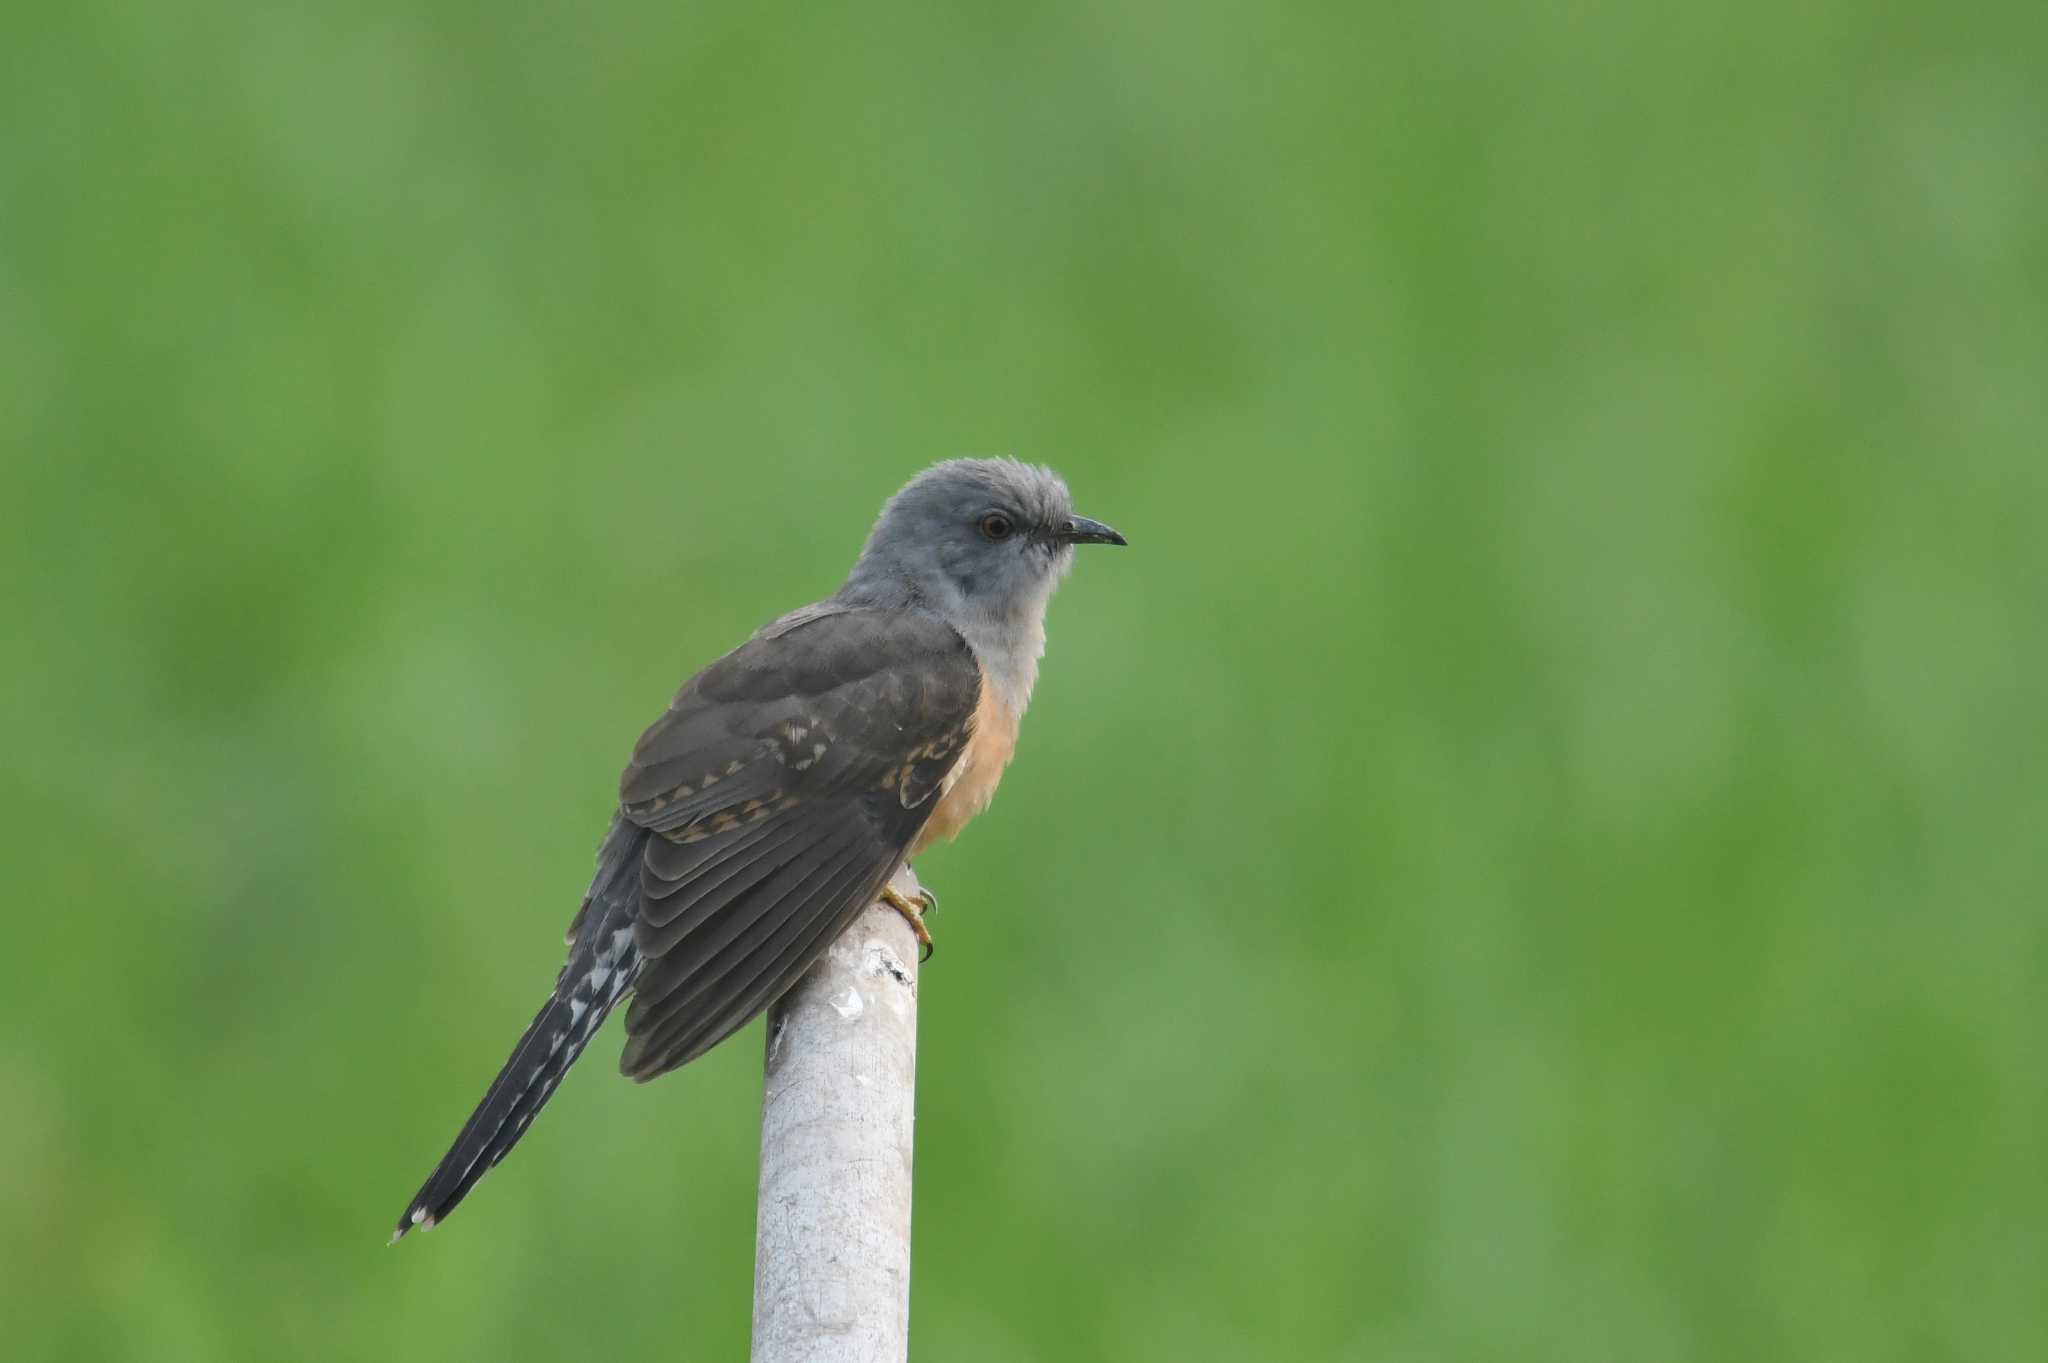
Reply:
x=972, y=783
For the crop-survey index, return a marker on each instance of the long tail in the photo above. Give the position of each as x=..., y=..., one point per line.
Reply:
x=602, y=966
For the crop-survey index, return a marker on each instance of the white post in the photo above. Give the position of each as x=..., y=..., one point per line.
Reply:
x=832, y=1242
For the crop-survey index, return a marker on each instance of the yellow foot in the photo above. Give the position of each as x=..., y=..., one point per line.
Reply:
x=914, y=911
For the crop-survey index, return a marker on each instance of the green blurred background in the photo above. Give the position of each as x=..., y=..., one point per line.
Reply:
x=1536, y=853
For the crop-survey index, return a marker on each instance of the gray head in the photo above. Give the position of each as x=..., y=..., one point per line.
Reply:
x=981, y=543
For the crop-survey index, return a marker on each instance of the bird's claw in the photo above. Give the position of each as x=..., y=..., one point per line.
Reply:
x=913, y=911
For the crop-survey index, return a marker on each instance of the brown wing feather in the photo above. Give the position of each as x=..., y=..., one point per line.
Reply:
x=784, y=786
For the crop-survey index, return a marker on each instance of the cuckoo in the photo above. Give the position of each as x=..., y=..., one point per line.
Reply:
x=789, y=781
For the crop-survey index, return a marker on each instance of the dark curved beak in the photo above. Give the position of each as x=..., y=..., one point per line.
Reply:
x=1081, y=530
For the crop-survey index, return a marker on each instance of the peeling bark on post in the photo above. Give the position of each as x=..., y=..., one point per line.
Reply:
x=832, y=1242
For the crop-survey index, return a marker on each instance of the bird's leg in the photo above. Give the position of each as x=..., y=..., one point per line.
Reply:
x=914, y=910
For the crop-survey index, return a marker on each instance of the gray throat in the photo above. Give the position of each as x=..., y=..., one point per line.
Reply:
x=1007, y=643
x=1008, y=650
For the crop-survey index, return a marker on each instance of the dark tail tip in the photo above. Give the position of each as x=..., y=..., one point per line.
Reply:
x=601, y=968
x=553, y=1040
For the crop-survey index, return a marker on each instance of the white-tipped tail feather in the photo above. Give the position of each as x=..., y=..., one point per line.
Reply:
x=601, y=968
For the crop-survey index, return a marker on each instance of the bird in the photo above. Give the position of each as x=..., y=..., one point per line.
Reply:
x=789, y=781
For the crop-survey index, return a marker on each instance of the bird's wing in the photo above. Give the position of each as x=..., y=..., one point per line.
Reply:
x=782, y=790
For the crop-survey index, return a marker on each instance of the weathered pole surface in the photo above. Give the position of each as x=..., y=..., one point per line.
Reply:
x=832, y=1242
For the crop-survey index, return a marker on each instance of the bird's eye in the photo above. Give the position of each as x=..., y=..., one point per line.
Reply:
x=996, y=526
